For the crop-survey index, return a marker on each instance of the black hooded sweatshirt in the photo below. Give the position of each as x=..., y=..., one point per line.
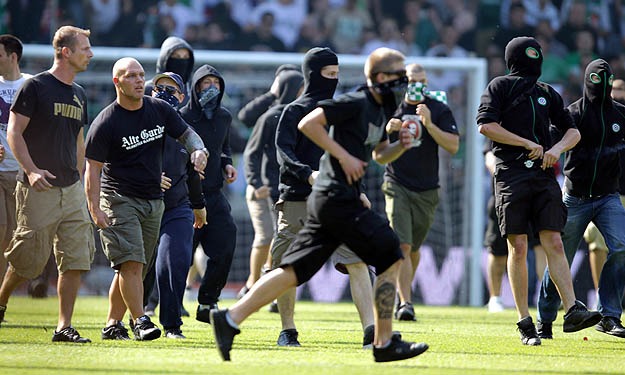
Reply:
x=259, y=158
x=165, y=63
x=521, y=105
x=214, y=132
x=298, y=156
x=592, y=167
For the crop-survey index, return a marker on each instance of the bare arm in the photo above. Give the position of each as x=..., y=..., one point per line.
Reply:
x=568, y=141
x=92, y=191
x=80, y=153
x=15, y=136
x=497, y=133
x=313, y=125
x=386, y=152
x=449, y=141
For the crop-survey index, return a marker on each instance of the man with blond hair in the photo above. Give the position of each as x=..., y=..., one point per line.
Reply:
x=45, y=133
x=124, y=146
x=336, y=213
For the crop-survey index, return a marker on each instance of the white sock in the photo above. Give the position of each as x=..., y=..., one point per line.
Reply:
x=230, y=321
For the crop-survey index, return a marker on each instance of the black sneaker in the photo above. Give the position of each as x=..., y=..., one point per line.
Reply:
x=405, y=311
x=398, y=350
x=611, y=326
x=223, y=331
x=69, y=334
x=115, y=332
x=273, y=307
x=145, y=330
x=369, y=333
x=544, y=330
x=38, y=288
x=288, y=337
x=3, y=309
x=174, y=333
x=578, y=317
x=203, y=314
x=526, y=328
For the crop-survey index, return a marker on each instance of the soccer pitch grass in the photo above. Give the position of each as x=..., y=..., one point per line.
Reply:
x=462, y=340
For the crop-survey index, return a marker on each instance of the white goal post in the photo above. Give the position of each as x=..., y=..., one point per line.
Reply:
x=476, y=80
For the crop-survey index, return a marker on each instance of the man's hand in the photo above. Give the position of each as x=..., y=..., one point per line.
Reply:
x=550, y=158
x=405, y=138
x=230, y=174
x=199, y=215
x=165, y=182
x=38, y=179
x=393, y=125
x=354, y=168
x=198, y=159
x=536, y=150
x=100, y=218
x=262, y=192
x=365, y=201
x=425, y=115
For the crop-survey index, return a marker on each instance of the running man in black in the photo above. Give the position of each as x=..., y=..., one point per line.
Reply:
x=516, y=112
x=336, y=213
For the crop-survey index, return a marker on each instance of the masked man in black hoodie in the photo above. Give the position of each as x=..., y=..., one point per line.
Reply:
x=515, y=113
x=176, y=56
x=218, y=237
x=591, y=185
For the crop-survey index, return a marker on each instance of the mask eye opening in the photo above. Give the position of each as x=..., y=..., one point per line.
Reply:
x=594, y=78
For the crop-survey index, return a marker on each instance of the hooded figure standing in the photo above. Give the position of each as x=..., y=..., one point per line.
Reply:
x=218, y=237
x=516, y=112
x=591, y=194
x=176, y=56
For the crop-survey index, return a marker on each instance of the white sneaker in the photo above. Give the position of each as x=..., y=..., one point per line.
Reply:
x=495, y=305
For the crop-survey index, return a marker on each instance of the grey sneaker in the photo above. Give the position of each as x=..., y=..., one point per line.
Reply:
x=174, y=333
x=115, y=332
x=224, y=332
x=69, y=334
x=288, y=337
x=145, y=330
x=398, y=350
x=611, y=326
x=578, y=317
x=545, y=330
x=526, y=328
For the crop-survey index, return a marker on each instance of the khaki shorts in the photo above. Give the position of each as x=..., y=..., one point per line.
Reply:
x=291, y=217
x=134, y=230
x=262, y=216
x=593, y=237
x=411, y=213
x=7, y=205
x=56, y=220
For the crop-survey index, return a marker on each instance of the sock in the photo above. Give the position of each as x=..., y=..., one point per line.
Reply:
x=3, y=308
x=204, y=307
x=386, y=345
x=230, y=321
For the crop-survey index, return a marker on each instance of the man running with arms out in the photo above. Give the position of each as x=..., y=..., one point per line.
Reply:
x=336, y=213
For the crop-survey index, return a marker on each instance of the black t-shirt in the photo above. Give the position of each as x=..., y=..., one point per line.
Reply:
x=417, y=168
x=57, y=112
x=530, y=116
x=130, y=144
x=357, y=122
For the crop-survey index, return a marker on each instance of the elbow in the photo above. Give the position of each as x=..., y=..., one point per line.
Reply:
x=454, y=149
x=483, y=129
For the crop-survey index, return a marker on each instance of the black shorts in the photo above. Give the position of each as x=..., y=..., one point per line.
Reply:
x=333, y=221
x=528, y=200
x=496, y=244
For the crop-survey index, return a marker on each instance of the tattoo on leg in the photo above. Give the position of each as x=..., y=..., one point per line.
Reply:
x=384, y=298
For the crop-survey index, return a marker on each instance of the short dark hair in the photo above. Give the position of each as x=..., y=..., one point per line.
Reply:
x=12, y=45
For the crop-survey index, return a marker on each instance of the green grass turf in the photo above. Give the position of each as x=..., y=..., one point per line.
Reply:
x=462, y=341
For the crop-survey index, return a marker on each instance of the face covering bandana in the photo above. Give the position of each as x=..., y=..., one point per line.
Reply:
x=169, y=98
x=416, y=91
x=392, y=93
x=208, y=100
x=178, y=66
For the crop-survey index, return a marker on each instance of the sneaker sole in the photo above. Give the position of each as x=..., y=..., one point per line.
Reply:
x=152, y=335
x=602, y=330
x=591, y=321
x=420, y=350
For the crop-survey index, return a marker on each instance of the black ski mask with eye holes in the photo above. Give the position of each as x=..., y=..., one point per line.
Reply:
x=598, y=84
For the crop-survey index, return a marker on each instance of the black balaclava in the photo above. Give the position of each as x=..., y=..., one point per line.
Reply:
x=316, y=85
x=598, y=83
x=290, y=83
x=524, y=57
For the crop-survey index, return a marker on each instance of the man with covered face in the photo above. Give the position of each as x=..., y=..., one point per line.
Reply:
x=591, y=194
x=515, y=113
x=336, y=213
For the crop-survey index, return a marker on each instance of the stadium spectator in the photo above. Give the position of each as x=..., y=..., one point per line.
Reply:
x=526, y=189
x=411, y=182
x=261, y=38
x=181, y=14
x=123, y=188
x=51, y=211
x=574, y=19
x=591, y=186
x=423, y=19
x=347, y=26
x=104, y=15
x=447, y=47
x=288, y=16
x=313, y=33
x=337, y=213
x=206, y=114
x=388, y=36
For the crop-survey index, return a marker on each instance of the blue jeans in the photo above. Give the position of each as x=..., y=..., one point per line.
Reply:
x=608, y=214
x=173, y=261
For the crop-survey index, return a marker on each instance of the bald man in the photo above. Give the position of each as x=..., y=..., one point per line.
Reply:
x=124, y=144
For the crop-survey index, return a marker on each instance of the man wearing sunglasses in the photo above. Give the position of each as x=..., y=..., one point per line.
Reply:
x=411, y=182
x=336, y=213
x=591, y=194
x=516, y=113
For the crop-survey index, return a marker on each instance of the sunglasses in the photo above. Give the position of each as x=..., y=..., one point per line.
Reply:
x=401, y=72
x=171, y=90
